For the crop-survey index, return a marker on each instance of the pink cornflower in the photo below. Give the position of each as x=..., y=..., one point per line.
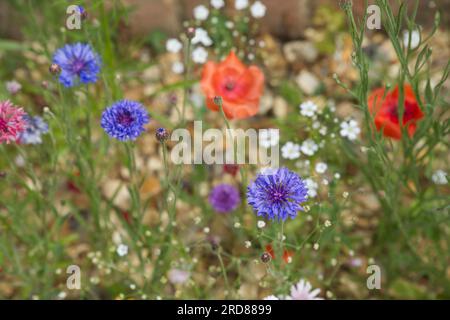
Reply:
x=11, y=122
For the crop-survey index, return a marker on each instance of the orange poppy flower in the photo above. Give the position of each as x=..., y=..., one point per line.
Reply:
x=385, y=111
x=239, y=86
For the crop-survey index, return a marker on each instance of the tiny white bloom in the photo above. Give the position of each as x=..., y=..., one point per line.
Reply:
x=174, y=45
x=62, y=295
x=290, y=151
x=269, y=137
x=202, y=37
x=229, y=25
x=241, y=4
x=312, y=187
x=350, y=129
x=261, y=224
x=308, y=108
x=345, y=194
x=309, y=147
x=323, y=131
x=217, y=4
x=271, y=297
x=122, y=250
x=247, y=244
x=258, y=10
x=439, y=177
x=178, y=67
x=321, y=167
x=201, y=12
x=415, y=39
x=337, y=176
x=327, y=223
x=316, y=246
x=200, y=55
x=206, y=230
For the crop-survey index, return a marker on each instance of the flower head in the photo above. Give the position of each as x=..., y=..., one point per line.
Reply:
x=34, y=128
x=303, y=291
x=386, y=112
x=258, y=10
x=217, y=4
x=224, y=198
x=12, y=122
x=201, y=37
x=199, y=55
x=240, y=4
x=178, y=276
x=122, y=250
x=269, y=137
x=290, y=151
x=125, y=120
x=239, y=86
x=174, y=45
x=350, y=129
x=13, y=86
x=439, y=177
x=309, y=147
x=78, y=63
x=308, y=108
x=277, y=194
x=201, y=12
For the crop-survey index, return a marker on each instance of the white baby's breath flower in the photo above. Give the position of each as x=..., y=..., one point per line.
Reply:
x=312, y=187
x=247, y=244
x=350, y=129
x=323, y=131
x=199, y=55
x=201, y=12
x=290, y=151
x=415, y=39
x=217, y=4
x=308, y=108
x=269, y=137
x=202, y=37
x=321, y=167
x=122, y=250
x=439, y=177
x=327, y=223
x=173, y=45
x=240, y=4
x=261, y=224
x=178, y=67
x=258, y=10
x=309, y=147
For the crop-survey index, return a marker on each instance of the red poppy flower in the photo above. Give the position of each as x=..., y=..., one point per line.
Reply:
x=287, y=255
x=385, y=111
x=239, y=86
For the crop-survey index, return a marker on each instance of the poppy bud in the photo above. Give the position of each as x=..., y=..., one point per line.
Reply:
x=265, y=257
x=190, y=32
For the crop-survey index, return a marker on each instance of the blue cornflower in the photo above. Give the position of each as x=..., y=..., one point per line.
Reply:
x=78, y=63
x=34, y=128
x=224, y=198
x=125, y=120
x=277, y=194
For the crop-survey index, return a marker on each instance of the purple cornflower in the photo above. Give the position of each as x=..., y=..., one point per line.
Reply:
x=125, y=120
x=224, y=198
x=78, y=63
x=162, y=134
x=277, y=195
x=34, y=128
